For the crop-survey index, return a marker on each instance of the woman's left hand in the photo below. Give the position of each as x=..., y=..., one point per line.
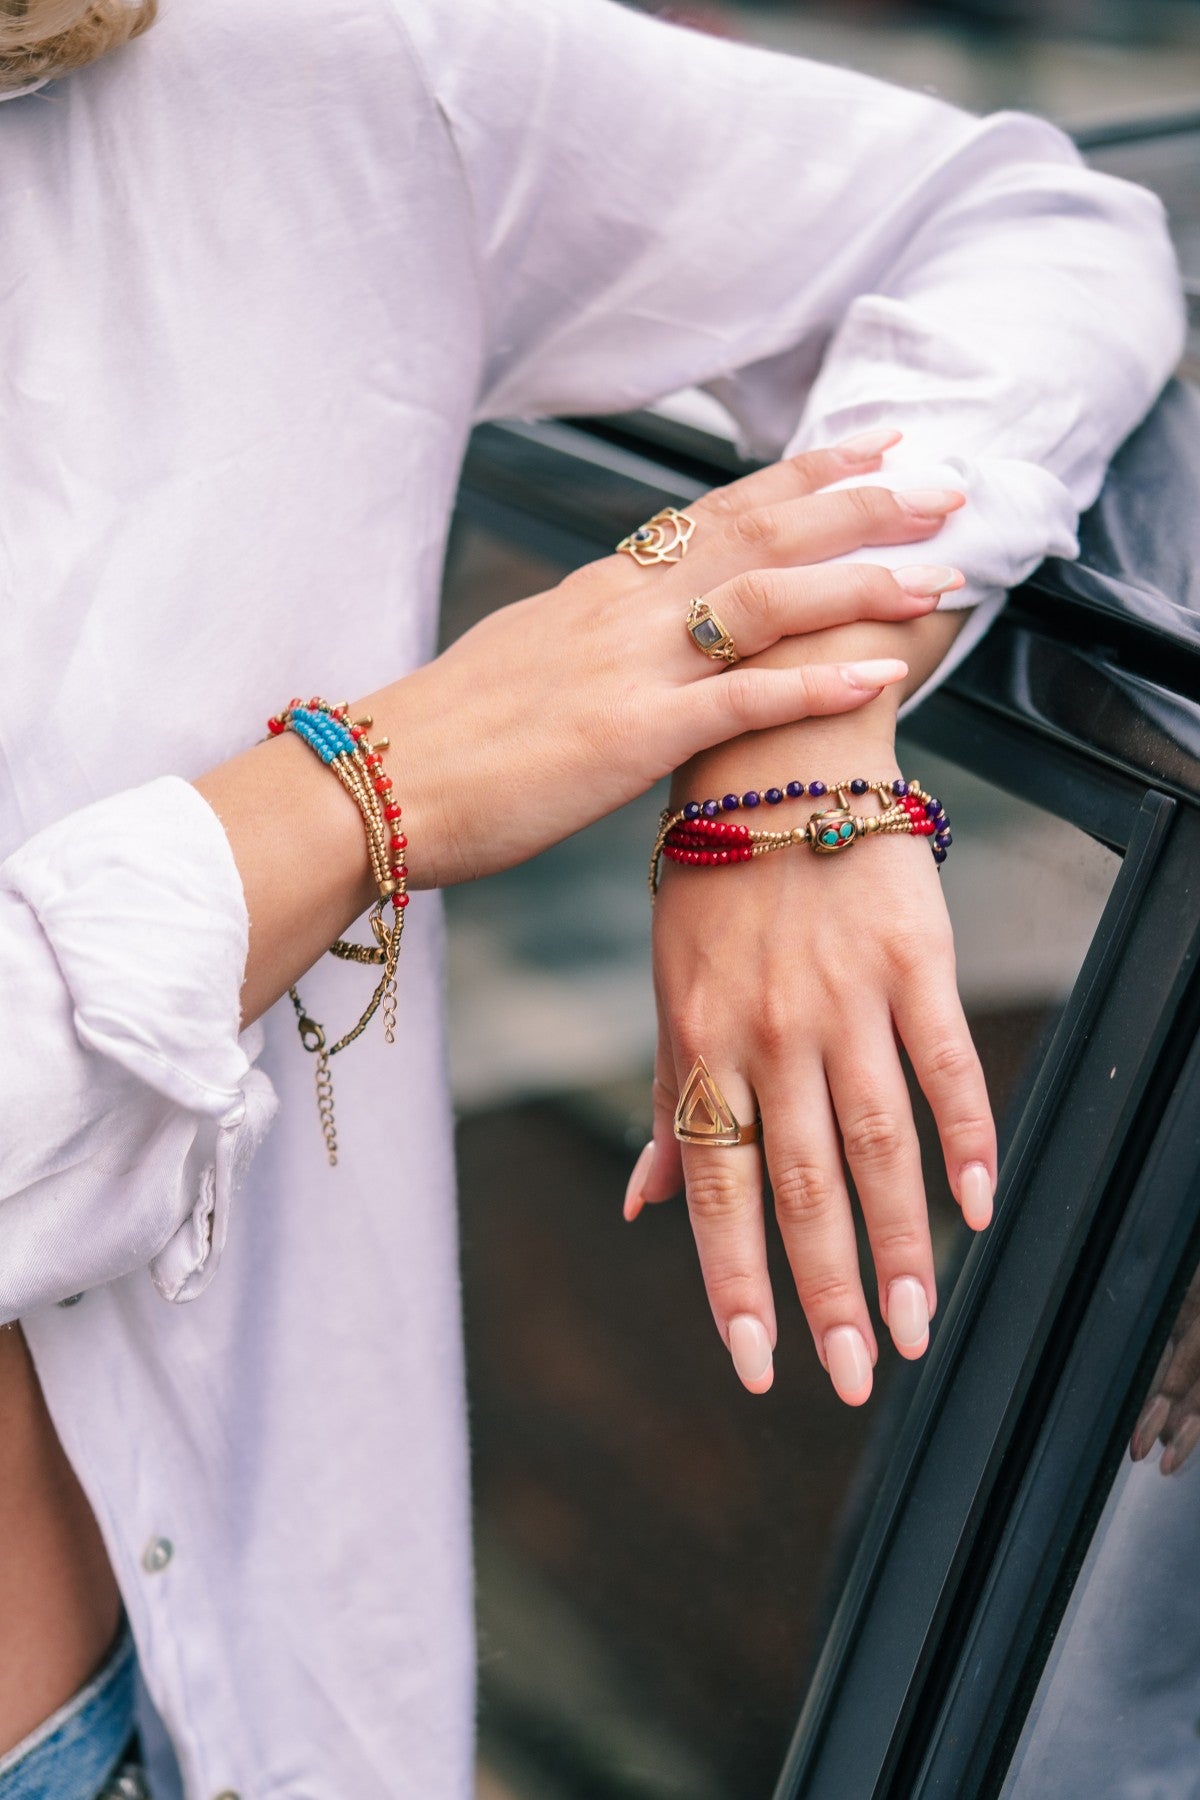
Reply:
x=793, y=976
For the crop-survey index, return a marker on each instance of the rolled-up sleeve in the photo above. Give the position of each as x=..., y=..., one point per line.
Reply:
x=129, y=1103
x=655, y=209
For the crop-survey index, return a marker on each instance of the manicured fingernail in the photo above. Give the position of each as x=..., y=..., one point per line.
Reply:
x=975, y=1196
x=908, y=1314
x=923, y=579
x=849, y=1364
x=877, y=674
x=1182, y=1443
x=865, y=446
x=750, y=1348
x=930, y=503
x=637, y=1181
x=1145, y=1432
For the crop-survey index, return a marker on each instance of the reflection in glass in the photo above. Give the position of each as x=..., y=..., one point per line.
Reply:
x=659, y=1553
x=1171, y=1414
x=1117, y=1712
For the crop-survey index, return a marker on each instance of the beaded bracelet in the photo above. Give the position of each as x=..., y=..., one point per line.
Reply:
x=343, y=745
x=702, y=835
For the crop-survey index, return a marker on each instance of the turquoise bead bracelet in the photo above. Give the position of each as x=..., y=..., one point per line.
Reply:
x=344, y=747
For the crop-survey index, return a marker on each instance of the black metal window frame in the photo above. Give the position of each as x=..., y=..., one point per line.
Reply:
x=1034, y=1380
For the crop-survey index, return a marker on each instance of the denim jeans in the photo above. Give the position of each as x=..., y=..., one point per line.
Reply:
x=80, y=1752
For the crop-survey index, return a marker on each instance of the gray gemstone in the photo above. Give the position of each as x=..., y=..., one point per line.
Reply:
x=706, y=633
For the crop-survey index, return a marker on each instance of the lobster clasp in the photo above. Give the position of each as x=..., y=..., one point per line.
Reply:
x=312, y=1035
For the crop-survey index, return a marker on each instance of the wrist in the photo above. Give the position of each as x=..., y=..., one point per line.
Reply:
x=824, y=749
x=862, y=742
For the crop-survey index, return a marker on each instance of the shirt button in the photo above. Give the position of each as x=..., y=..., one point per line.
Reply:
x=71, y=1300
x=227, y=1794
x=157, y=1555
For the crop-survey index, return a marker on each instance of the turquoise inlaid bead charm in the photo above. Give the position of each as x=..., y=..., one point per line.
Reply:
x=830, y=832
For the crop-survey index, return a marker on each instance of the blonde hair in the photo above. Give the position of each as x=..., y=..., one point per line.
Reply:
x=48, y=37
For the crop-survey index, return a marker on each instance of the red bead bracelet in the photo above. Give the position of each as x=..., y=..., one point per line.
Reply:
x=703, y=835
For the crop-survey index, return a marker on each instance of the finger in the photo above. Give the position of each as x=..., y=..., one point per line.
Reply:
x=873, y=1110
x=931, y=1022
x=1182, y=1441
x=658, y=1172
x=761, y=606
x=724, y=1198
x=827, y=524
x=1155, y=1412
x=752, y=699
x=1183, y=1371
x=793, y=476
x=1182, y=1368
x=812, y=1211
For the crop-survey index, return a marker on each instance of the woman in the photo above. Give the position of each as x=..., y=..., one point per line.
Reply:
x=262, y=270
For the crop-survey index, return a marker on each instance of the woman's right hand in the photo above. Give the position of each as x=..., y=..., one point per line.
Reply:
x=554, y=711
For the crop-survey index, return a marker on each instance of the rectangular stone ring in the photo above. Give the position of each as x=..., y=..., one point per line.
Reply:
x=708, y=634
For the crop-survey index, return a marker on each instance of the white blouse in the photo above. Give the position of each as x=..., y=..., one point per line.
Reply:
x=260, y=273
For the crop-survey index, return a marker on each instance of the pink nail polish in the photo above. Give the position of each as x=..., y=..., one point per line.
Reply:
x=750, y=1348
x=865, y=446
x=922, y=580
x=875, y=674
x=637, y=1181
x=975, y=1196
x=849, y=1364
x=930, y=503
x=908, y=1314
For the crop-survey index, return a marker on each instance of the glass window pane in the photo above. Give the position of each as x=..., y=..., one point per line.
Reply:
x=658, y=1552
x=1117, y=1712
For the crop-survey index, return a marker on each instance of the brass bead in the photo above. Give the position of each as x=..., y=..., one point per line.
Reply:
x=387, y=889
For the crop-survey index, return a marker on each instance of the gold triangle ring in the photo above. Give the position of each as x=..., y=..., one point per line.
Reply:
x=704, y=1115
